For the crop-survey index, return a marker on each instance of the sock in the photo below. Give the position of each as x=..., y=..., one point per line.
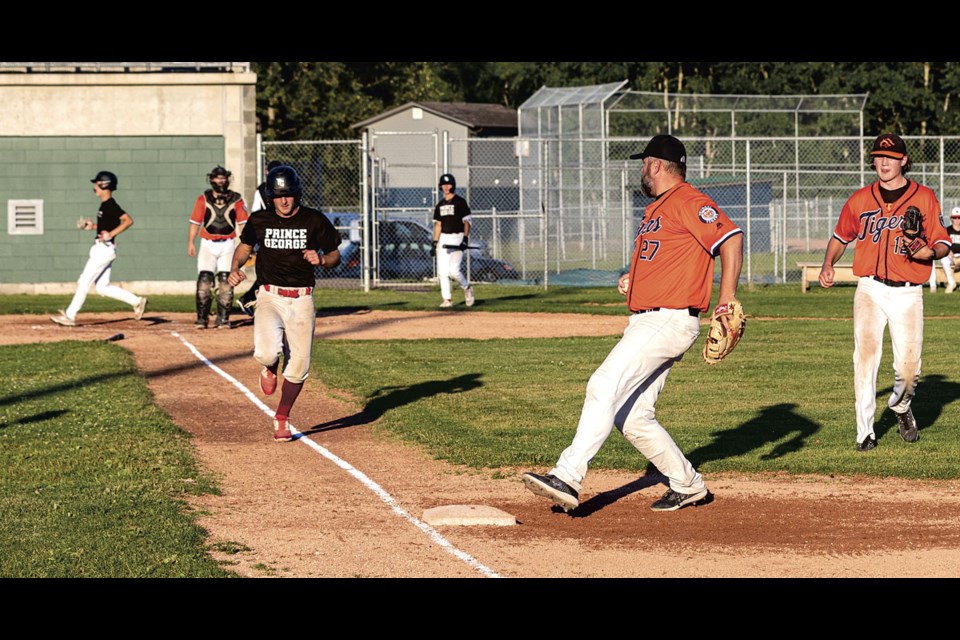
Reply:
x=288, y=395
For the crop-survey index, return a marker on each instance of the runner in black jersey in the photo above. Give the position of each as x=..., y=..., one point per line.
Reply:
x=292, y=240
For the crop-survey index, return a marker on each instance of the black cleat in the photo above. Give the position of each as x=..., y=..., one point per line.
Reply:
x=908, y=426
x=671, y=500
x=868, y=444
x=550, y=486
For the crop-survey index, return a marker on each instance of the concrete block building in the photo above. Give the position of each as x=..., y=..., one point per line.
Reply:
x=159, y=126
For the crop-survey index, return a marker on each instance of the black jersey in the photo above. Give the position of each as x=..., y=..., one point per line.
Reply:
x=282, y=242
x=108, y=217
x=954, y=239
x=451, y=213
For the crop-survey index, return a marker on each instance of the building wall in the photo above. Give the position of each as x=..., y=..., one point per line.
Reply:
x=159, y=178
x=160, y=132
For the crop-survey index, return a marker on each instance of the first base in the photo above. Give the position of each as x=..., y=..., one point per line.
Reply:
x=468, y=514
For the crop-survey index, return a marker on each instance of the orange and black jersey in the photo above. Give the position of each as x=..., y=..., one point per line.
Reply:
x=675, y=248
x=875, y=225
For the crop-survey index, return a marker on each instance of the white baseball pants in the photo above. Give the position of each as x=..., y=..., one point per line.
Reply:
x=876, y=305
x=448, y=264
x=623, y=393
x=276, y=316
x=215, y=256
x=947, y=263
x=97, y=269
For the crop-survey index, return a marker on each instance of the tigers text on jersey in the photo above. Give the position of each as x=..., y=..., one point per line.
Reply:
x=282, y=242
x=875, y=225
x=675, y=247
x=218, y=218
x=451, y=214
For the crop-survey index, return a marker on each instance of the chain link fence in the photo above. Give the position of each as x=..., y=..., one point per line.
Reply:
x=564, y=212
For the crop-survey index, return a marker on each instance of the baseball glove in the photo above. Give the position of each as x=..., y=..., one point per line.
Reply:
x=721, y=342
x=912, y=229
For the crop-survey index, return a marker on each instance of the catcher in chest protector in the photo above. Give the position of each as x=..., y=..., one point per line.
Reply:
x=899, y=232
x=668, y=286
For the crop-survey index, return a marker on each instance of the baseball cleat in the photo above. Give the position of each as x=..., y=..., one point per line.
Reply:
x=446, y=304
x=200, y=324
x=468, y=295
x=550, y=486
x=868, y=444
x=672, y=500
x=139, y=308
x=281, y=433
x=64, y=320
x=908, y=426
x=268, y=381
x=950, y=287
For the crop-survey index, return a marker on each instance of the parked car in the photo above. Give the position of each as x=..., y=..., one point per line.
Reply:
x=405, y=253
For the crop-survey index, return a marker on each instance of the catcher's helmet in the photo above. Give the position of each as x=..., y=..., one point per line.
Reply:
x=448, y=178
x=283, y=181
x=219, y=171
x=106, y=180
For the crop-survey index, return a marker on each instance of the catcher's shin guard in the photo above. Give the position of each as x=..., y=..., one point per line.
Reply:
x=204, y=296
x=224, y=298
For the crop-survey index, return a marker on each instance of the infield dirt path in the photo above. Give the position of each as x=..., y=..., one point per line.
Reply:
x=352, y=506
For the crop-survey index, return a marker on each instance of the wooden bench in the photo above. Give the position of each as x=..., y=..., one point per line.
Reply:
x=810, y=273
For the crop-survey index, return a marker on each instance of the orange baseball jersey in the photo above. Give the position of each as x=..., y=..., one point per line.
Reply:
x=218, y=222
x=875, y=225
x=676, y=244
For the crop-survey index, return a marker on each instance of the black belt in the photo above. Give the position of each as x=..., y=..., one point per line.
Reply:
x=693, y=311
x=894, y=283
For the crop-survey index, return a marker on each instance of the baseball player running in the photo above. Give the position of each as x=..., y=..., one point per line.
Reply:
x=112, y=220
x=293, y=239
x=668, y=286
x=218, y=215
x=451, y=227
x=892, y=270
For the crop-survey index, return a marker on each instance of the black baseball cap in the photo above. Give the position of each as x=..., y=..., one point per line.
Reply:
x=665, y=147
x=890, y=145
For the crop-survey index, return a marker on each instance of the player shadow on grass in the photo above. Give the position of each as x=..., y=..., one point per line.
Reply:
x=386, y=398
x=38, y=417
x=934, y=392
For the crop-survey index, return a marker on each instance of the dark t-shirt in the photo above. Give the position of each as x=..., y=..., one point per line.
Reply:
x=282, y=241
x=108, y=217
x=451, y=213
x=954, y=239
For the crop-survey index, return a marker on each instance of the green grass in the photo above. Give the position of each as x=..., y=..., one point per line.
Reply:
x=94, y=474
x=782, y=402
x=758, y=300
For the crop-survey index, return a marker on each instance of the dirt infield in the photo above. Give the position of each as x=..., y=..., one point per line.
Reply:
x=350, y=503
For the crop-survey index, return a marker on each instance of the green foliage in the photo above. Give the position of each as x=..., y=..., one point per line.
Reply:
x=321, y=100
x=94, y=473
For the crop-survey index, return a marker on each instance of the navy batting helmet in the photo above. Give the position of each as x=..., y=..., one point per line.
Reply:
x=448, y=178
x=282, y=182
x=106, y=180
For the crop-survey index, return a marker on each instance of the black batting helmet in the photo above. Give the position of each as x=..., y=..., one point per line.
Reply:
x=106, y=180
x=282, y=182
x=219, y=171
x=448, y=178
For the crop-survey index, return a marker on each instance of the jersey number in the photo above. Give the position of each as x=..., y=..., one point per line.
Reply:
x=648, y=249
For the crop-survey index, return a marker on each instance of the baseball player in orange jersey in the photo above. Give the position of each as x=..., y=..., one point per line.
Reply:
x=668, y=286
x=890, y=289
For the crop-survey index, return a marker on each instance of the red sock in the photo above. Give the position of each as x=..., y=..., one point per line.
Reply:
x=288, y=395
